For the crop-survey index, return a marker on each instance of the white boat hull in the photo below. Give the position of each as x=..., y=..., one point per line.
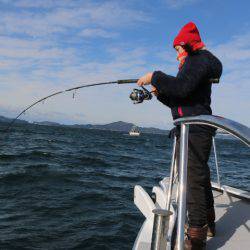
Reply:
x=232, y=208
x=134, y=134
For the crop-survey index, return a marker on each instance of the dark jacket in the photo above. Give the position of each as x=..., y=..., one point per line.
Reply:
x=189, y=93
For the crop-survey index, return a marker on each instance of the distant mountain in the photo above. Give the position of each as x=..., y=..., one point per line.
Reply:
x=114, y=126
x=152, y=130
x=117, y=126
x=122, y=126
x=8, y=120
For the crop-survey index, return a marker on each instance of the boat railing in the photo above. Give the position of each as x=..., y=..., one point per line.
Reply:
x=236, y=129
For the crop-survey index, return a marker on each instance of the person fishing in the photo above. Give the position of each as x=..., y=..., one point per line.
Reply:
x=189, y=94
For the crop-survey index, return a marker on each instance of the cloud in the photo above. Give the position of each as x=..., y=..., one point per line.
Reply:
x=46, y=46
x=234, y=51
x=44, y=4
x=98, y=33
x=33, y=45
x=177, y=4
x=33, y=68
x=62, y=18
x=232, y=94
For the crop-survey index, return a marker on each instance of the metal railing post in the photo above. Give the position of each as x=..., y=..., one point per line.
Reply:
x=216, y=162
x=160, y=229
x=182, y=186
x=171, y=179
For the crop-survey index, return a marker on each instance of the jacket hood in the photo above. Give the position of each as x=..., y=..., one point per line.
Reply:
x=215, y=66
x=189, y=36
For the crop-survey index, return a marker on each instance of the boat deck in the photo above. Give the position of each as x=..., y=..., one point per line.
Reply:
x=232, y=223
x=232, y=217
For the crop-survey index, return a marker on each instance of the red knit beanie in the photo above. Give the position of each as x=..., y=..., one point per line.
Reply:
x=189, y=36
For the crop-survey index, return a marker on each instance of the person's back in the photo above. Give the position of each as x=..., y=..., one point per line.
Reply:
x=189, y=93
x=198, y=100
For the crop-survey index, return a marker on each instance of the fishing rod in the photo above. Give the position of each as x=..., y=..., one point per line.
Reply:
x=137, y=95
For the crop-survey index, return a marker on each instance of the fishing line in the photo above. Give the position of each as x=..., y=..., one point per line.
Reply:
x=125, y=81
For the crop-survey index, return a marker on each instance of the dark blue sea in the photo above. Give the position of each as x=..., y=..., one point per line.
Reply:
x=71, y=188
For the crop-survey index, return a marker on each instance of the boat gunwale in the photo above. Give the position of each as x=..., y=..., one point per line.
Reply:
x=237, y=193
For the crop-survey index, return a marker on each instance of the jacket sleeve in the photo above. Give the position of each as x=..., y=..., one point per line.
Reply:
x=163, y=99
x=187, y=80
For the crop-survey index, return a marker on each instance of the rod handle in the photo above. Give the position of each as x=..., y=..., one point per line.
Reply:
x=127, y=81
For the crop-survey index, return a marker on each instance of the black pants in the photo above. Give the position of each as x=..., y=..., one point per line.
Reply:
x=199, y=191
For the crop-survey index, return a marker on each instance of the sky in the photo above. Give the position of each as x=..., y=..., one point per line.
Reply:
x=47, y=46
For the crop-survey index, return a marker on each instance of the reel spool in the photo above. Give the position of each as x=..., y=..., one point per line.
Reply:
x=139, y=95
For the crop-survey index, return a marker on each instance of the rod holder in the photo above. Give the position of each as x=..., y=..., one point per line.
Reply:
x=160, y=229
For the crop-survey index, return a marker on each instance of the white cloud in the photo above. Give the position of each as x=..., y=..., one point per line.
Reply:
x=231, y=96
x=30, y=73
x=98, y=33
x=39, y=54
x=177, y=4
x=46, y=4
x=234, y=51
x=60, y=20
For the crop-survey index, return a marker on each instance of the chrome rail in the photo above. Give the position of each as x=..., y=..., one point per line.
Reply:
x=235, y=129
x=182, y=185
x=171, y=179
x=216, y=163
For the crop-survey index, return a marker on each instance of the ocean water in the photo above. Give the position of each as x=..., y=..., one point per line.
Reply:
x=64, y=188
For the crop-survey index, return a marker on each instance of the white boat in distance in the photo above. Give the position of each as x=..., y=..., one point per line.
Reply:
x=134, y=131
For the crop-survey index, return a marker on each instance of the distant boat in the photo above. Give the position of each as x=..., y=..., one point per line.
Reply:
x=134, y=131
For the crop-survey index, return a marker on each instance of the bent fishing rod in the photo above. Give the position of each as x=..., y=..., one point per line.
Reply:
x=137, y=95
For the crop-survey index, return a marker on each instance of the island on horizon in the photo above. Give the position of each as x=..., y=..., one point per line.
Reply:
x=113, y=126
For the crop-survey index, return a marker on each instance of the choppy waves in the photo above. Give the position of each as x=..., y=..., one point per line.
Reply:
x=73, y=188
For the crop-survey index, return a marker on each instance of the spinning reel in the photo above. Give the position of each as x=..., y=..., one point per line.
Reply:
x=139, y=95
